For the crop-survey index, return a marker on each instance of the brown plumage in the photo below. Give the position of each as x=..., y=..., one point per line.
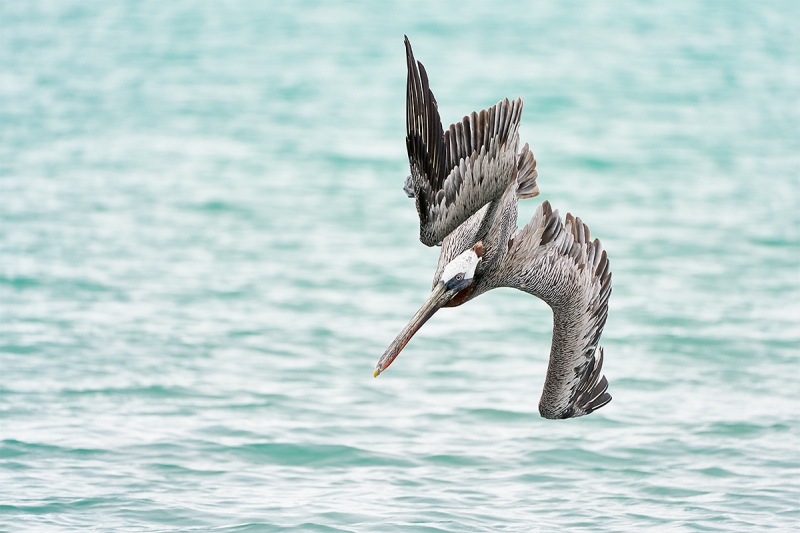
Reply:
x=466, y=182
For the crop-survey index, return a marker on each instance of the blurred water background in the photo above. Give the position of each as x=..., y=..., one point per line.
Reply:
x=204, y=249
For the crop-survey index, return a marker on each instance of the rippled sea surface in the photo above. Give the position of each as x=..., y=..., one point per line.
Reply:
x=204, y=249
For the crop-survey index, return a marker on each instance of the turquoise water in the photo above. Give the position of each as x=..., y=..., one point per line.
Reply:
x=204, y=249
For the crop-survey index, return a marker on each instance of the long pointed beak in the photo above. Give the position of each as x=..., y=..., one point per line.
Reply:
x=438, y=297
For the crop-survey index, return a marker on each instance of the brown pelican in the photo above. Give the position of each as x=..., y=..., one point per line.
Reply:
x=466, y=182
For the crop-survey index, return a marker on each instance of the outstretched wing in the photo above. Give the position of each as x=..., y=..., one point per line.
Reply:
x=455, y=172
x=558, y=263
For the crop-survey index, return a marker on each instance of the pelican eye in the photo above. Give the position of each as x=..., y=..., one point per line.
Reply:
x=459, y=276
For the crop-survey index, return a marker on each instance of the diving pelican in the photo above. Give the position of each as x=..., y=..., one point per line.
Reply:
x=466, y=182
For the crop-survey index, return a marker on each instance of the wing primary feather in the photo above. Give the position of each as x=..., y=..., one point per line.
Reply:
x=501, y=115
x=465, y=126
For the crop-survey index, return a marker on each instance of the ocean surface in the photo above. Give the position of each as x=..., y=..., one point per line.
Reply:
x=205, y=248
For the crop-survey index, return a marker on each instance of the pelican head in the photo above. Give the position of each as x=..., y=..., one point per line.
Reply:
x=457, y=279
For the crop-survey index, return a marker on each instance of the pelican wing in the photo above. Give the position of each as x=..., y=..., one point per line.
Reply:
x=558, y=263
x=455, y=172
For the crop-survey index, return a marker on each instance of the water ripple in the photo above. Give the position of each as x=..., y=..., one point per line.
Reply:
x=204, y=248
